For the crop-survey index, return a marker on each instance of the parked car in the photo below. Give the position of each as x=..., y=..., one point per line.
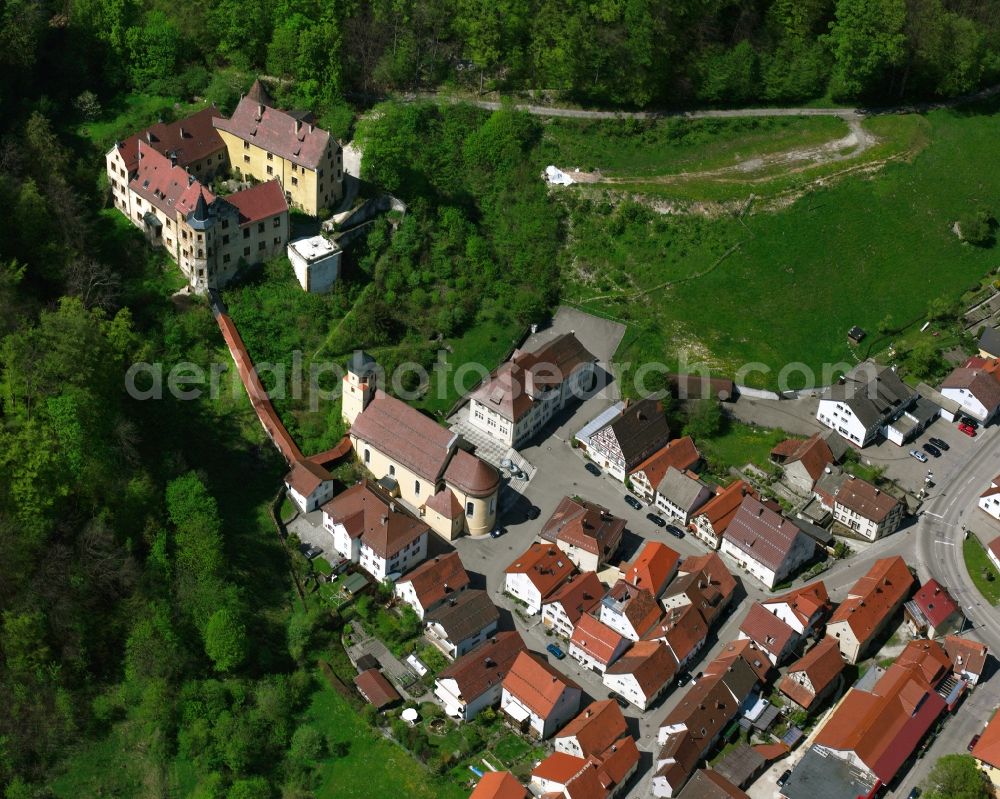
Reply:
x=659, y=521
x=930, y=449
x=312, y=552
x=683, y=679
x=555, y=651
x=675, y=531
x=969, y=421
x=532, y=512
x=973, y=742
x=593, y=470
x=916, y=453
x=496, y=532
x=940, y=444
x=913, y=794
x=621, y=700
x=633, y=502
x=784, y=777
x=968, y=429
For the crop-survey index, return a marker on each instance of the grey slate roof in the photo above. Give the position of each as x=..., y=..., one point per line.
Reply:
x=872, y=391
x=763, y=534
x=679, y=489
x=819, y=777
x=464, y=615
x=641, y=430
x=989, y=342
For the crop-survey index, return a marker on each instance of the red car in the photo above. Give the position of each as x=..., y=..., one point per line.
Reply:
x=973, y=742
x=969, y=430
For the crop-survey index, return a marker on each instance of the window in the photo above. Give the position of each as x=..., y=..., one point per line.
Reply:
x=277, y=241
x=169, y=223
x=469, y=508
x=277, y=222
x=260, y=227
x=262, y=245
x=225, y=239
x=321, y=187
x=368, y=456
x=246, y=251
x=295, y=181
x=184, y=235
x=392, y=470
x=416, y=487
x=246, y=145
x=225, y=223
x=201, y=237
x=320, y=173
x=270, y=170
x=201, y=253
x=295, y=167
x=225, y=258
x=246, y=232
x=270, y=156
x=246, y=159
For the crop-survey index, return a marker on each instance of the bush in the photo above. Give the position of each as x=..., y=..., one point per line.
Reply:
x=976, y=227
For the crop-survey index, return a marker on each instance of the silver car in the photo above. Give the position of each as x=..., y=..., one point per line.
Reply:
x=916, y=453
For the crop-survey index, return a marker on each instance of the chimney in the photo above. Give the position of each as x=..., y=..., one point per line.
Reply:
x=298, y=126
x=488, y=661
x=173, y=158
x=190, y=180
x=878, y=491
x=392, y=507
x=184, y=133
x=385, y=520
x=149, y=136
x=310, y=127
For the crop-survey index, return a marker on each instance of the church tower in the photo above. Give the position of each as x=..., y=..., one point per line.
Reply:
x=359, y=385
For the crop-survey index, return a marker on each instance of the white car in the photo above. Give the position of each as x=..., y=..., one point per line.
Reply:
x=916, y=453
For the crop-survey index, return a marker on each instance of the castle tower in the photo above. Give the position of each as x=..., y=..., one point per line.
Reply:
x=359, y=385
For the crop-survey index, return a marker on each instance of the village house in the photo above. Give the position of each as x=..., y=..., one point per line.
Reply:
x=683, y=631
x=772, y=635
x=709, y=784
x=803, y=461
x=680, y=494
x=968, y=658
x=704, y=582
x=871, y=604
x=522, y=394
x=474, y=681
x=416, y=459
x=625, y=442
x=580, y=594
x=371, y=530
x=628, y=610
x=692, y=728
x=462, y=622
x=309, y=485
x=932, y=612
x=681, y=454
x=866, y=510
x=864, y=404
x=537, y=699
x=813, y=678
x=989, y=500
x=987, y=752
x=587, y=532
x=265, y=143
x=712, y=519
x=975, y=385
x=432, y=583
x=536, y=574
x=643, y=673
x=596, y=646
x=767, y=545
x=209, y=237
x=376, y=689
x=877, y=728
x=499, y=785
x=803, y=609
x=594, y=756
x=653, y=568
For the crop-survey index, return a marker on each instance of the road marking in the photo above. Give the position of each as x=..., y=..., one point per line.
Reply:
x=935, y=515
x=946, y=543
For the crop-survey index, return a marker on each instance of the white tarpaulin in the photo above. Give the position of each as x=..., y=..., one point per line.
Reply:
x=555, y=175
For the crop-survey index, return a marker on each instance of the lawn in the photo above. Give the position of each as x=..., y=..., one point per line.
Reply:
x=978, y=564
x=740, y=444
x=133, y=112
x=374, y=768
x=776, y=288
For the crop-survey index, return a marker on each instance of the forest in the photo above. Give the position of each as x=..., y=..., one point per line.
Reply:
x=148, y=635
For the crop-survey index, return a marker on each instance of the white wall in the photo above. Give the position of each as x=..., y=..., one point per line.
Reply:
x=521, y=587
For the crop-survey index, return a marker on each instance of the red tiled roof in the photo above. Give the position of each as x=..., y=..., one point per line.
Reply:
x=191, y=139
x=653, y=567
x=685, y=630
x=340, y=450
x=994, y=546
x=979, y=380
x=712, y=567
x=306, y=476
x=596, y=727
x=446, y=503
x=471, y=475
x=865, y=499
x=767, y=630
x=813, y=452
x=721, y=509
x=585, y=525
x=804, y=602
x=746, y=650
x=935, y=602
x=639, y=605
x=277, y=132
x=680, y=453
x=499, y=785
x=596, y=639
x=545, y=565
x=966, y=656
x=405, y=435
x=987, y=748
x=376, y=688
x=578, y=595
x=762, y=533
x=709, y=784
x=435, y=579
x=368, y=516
x=874, y=596
x=536, y=684
x=259, y=202
x=559, y=767
x=485, y=666
x=821, y=664
x=159, y=182
x=651, y=663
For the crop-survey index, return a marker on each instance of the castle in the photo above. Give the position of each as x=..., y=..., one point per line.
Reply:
x=157, y=181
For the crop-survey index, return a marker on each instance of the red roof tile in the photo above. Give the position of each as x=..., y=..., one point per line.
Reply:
x=375, y=688
x=305, y=477
x=545, y=565
x=874, y=596
x=380, y=525
x=987, y=748
x=721, y=509
x=435, y=579
x=471, y=474
x=821, y=664
x=966, y=656
x=596, y=727
x=596, y=639
x=499, y=785
x=653, y=568
x=190, y=139
x=762, y=533
x=586, y=525
x=485, y=666
x=536, y=684
x=578, y=595
x=814, y=454
x=865, y=499
x=767, y=630
x=680, y=453
x=259, y=202
x=651, y=663
x=935, y=602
